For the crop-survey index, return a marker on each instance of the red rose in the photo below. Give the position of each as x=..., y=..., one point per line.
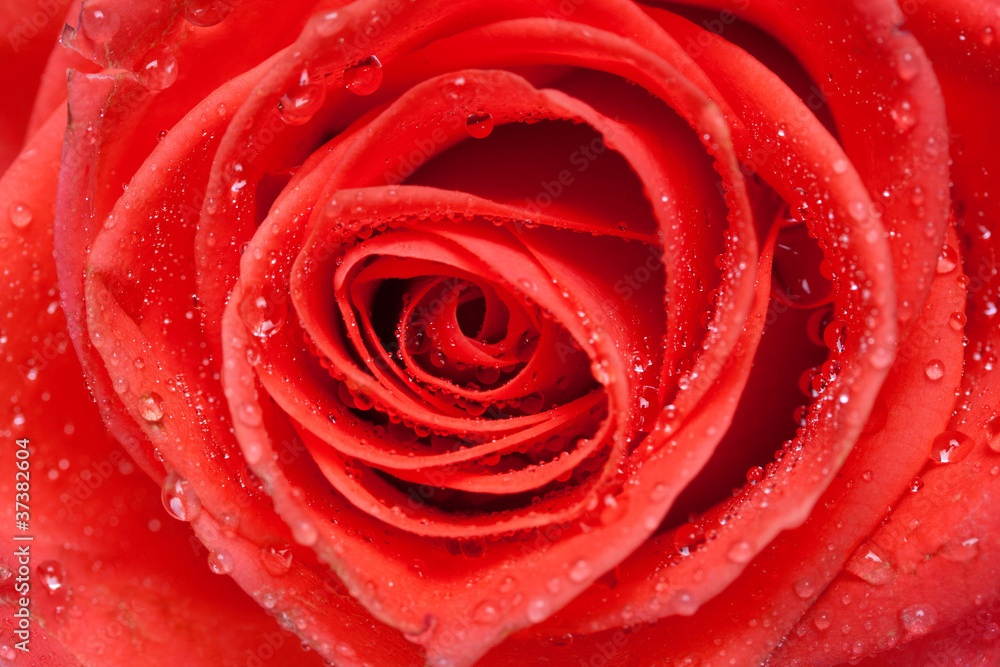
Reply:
x=571, y=333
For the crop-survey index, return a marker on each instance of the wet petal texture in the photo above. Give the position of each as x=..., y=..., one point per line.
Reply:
x=483, y=333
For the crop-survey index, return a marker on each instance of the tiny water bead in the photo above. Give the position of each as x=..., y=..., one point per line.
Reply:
x=151, y=407
x=479, y=125
x=52, y=575
x=804, y=588
x=365, y=77
x=302, y=99
x=20, y=214
x=179, y=498
x=951, y=446
x=206, y=13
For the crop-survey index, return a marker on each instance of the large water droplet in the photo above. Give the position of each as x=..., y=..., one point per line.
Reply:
x=479, y=125
x=918, y=619
x=179, y=498
x=740, y=552
x=205, y=13
x=365, y=77
x=804, y=588
x=304, y=532
x=903, y=115
x=263, y=316
x=871, y=565
x=52, y=574
x=302, y=99
x=20, y=214
x=538, y=610
x=951, y=446
x=159, y=70
x=684, y=602
x=947, y=261
x=486, y=613
x=151, y=407
x=934, y=369
x=220, y=562
x=906, y=65
x=249, y=413
x=579, y=571
x=276, y=560
x=797, y=278
x=687, y=538
x=957, y=321
x=99, y=23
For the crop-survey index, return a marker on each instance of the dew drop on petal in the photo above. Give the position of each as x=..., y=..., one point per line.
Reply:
x=206, y=13
x=957, y=321
x=99, y=23
x=52, y=575
x=804, y=588
x=538, y=610
x=918, y=619
x=947, y=261
x=934, y=369
x=276, y=560
x=20, y=214
x=159, y=69
x=249, y=413
x=479, y=125
x=151, y=407
x=365, y=77
x=264, y=317
x=579, y=571
x=740, y=552
x=951, y=446
x=302, y=99
x=220, y=562
x=906, y=65
x=179, y=498
x=684, y=602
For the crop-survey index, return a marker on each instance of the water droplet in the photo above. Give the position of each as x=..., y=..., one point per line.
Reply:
x=532, y=403
x=918, y=619
x=20, y=214
x=486, y=613
x=740, y=552
x=755, y=474
x=250, y=413
x=526, y=345
x=822, y=621
x=98, y=23
x=804, y=588
x=151, y=407
x=264, y=317
x=579, y=571
x=947, y=261
x=302, y=99
x=487, y=375
x=951, y=446
x=904, y=115
x=840, y=165
x=304, y=532
x=160, y=69
x=538, y=610
x=797, y=278
x=121, y=384
x=179, y=498
x=684, y=602
x=687, y=538
x=934, y=369
x=206, y=13
x=957, y=321
x=870, y=564
x=365, y=77
x=52, y=574
x=906, y=65
x=479, y=125
x=220, y=562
